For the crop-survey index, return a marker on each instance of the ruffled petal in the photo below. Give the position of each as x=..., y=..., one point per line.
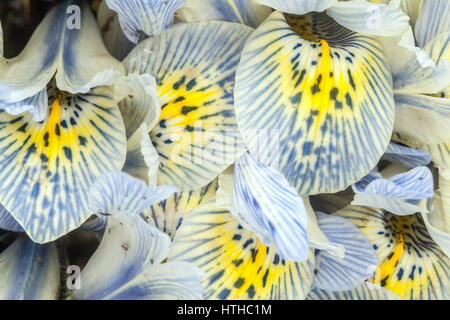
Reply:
x=370, y=18
x=168, y=215
x=365, y=291
x=149, y=16
x=400, y=194
x=29, y=271
x=37, y=105
x=47, y=168
x=360, y=260
x=140, y=104
x=412, y=264
x=164, y=282
x=269, y=207
x=197, y=135
x=405, y=156
x=248, y=12
x=328, y=100
x=129, y=247
x=236, y=264
x=142, y=158
x=117, y=193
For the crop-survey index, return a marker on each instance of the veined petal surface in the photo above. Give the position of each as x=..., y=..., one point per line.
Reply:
x=360, y=260
x=411, y=264
x=434, y=18
x=366, y=291
x=299, y=6
x=406, y=156
x=168, y=215
x=129, y=246
x=400, y=194
x=117, y=193
x=268, y=206
x=149, y=16
x=328, y=98
x=248, y=12
x=236, y=264
x=7, y=221
x=30, y=271
x=197, y=135
x=48, y=167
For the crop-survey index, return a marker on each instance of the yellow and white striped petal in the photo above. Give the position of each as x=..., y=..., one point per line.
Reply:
x=248, y=12
x=325, y=90
x=194, y=65
x=46, y=168
x=168, y=214
x=412, y=264
x=236, y=264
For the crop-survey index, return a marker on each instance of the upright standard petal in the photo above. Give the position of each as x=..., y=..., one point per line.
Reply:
x=400, y=194
x=194, y=64
x=29, y=271
x=236, y=264
x=117, y=193
x=411, y=264
x=47, y=168
x=360, y=260
x=326, y=91
x=266, y=205
x=248, y=12
x=149, y=16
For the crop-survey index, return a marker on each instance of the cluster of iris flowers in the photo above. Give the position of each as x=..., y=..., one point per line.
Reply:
x=228, y=149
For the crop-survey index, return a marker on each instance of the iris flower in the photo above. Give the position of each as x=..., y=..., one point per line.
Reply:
x=293, y=149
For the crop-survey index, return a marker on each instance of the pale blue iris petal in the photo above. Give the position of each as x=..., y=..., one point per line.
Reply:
x=406, y=156
x=1, y=41
x=423, y=120
x=37, y=105
x=299, y=6
x=169, y=281
x=54, y=47
x=370, y=18
x=271, y=208
x=129, y=246
x=7, y=221
x=149, y=16
x=96, y=223
x=334, y=273
x=30, y=72
x=434, y=18
x=29, y=271
x=81, y=70
x=117, y=193
x=248, y=12
x=366, y=291
x=400, y=194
